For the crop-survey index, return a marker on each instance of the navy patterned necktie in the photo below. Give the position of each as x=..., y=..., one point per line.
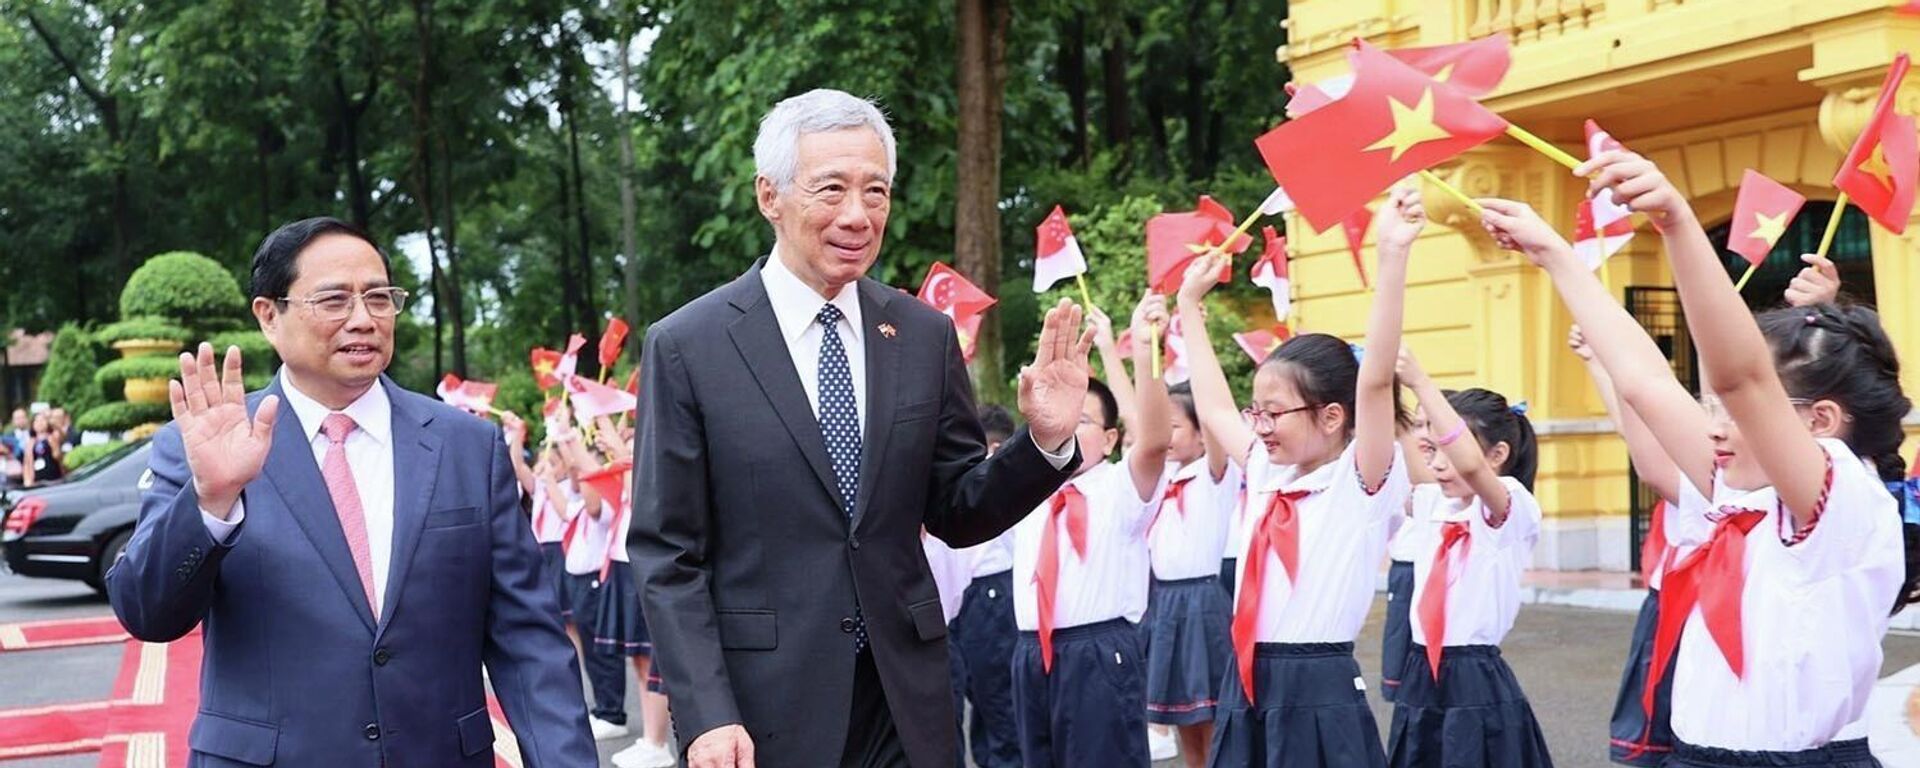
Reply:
x=840, y=425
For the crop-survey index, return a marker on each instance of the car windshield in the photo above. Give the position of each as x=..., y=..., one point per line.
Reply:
x=101, y=464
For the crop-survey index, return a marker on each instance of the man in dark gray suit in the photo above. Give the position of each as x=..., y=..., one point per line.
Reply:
x=799, y=427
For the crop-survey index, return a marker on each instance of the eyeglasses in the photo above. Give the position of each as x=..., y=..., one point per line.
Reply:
x=333, y=306
x=1260, y=419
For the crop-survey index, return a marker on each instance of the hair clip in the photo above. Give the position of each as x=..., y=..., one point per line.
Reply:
x=1359, y=353
x=1812, y=318
x=1519, y=408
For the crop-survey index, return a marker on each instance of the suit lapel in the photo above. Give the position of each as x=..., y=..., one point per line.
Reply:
x=296, y=478
x=416, y=457
x=883, y=360
x=756, y=334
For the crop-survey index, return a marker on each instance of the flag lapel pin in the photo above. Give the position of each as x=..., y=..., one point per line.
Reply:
x=886, y=329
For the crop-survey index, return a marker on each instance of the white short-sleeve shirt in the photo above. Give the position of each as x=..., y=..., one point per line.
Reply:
x=1237, y=523
x=1407, y=537
x=993, y=556
x=952, y=571
x=1483, y=592
x=1813, y=615
x=1111, y=582
x=1186, y=537
x=1343, y=537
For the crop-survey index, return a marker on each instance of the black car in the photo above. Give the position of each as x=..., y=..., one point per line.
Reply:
x=75, y=528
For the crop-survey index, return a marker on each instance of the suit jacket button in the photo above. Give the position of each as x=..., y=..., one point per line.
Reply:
x=380, y=657
x=847, y=626
x=855, y=543
x=373, y=731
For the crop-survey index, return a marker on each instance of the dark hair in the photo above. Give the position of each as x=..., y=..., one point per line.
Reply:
x=1841, y=353
x=1182, y=395
x=275, y=260
x=1109, y=407
x=1326, y=371
x=997, y=423
x=1493, y=421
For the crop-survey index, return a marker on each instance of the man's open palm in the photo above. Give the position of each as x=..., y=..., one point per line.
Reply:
x=225, y=449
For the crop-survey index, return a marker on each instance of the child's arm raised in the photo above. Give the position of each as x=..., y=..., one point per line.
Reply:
x=1641, y=376
x=1399, y=223
x=1112, y=369
x=1212, y=398
x=1650, y=461
x=1733, y=353
x=1148, y=459
x=1451, y=436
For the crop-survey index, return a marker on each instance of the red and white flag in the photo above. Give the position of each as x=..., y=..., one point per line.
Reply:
x=1260, y=343
x=1057, y=255
x=1276, y=203
x=570, y=360
x=1173, y=358
x=592, y=399
x=1270, y=272
x=1602, y=225
x=947, y=290
x=475, y=396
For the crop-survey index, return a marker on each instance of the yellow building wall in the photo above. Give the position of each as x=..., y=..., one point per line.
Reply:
x=1705, y=88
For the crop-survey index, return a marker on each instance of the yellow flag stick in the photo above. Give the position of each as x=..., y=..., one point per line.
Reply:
x=1153, y=337
x=1543, y=146
x=1751, y=268
x=1085, y=297
x=1833, y=224
x=1452, y=191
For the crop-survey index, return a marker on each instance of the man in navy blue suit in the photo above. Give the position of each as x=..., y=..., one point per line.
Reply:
x=347, y=615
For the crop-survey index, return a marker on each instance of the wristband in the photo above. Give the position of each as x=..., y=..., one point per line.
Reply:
x=1450, y=437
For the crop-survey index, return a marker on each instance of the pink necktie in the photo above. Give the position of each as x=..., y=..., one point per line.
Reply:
x=346, y=499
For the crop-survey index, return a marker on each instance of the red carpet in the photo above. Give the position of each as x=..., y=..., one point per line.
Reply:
x=145, y=723
x=59, y=633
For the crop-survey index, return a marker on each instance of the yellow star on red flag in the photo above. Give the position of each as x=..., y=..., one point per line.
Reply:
x=1412, y=125
x=1769, y=229
x=1876, y=166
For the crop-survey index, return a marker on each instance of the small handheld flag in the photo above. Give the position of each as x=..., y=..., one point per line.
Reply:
x=958, y=298
x=1760, y=216
x=1270, y=272
x=1602, y=225
x=1057, y=254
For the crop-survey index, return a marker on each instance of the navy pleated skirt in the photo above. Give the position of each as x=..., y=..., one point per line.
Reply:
x=1633, y=738
x=1474, y=715
x=1228, y=565
x=554, y=565
x=1839, y=754
x=1397, y=636
x=1311, y=711
x=1189, y=649
x=618, y=627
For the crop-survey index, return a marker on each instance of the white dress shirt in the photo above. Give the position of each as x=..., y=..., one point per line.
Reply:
x=1483, y=587
x=1111, y=581
x=1187, y=543
x=1812, y=616
x=994, y=556
x=796, y=307
x=952, y=571
x=1343, y=537
x=369, y=458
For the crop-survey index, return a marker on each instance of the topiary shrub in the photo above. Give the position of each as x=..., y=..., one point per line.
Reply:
x=116, y=373
x=255, y=350
x=68, y=381
x=182, y=286
x=122, y=416
x=143, y=328
x=82, y=455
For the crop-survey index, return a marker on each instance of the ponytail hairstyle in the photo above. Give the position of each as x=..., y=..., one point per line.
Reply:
x=1326, y=370
x=1841, y=353
x=1493, y=421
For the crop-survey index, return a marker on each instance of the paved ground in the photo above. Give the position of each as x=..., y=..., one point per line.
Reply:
x=1568, y=659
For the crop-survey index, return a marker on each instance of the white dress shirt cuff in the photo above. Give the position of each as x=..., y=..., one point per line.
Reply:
x=1058, y=460
x=221, y=530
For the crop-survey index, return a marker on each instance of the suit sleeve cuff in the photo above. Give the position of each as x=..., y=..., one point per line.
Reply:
x=1058, y=460
x=222, y=530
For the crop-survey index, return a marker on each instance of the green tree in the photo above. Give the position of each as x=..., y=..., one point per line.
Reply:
x=68, y=381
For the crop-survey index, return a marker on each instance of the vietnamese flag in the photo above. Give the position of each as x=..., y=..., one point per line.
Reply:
x=1394, y=123
x=1760, y=216
x=569, y=360
x=1175, y=239
x=1473, y=68
x=1057, y=254
x=1881, y=170
x=960, y=300
x=1260, y=343
x=612, y=341
x=1355, y=226
x=1270, y=272
x=545, y=362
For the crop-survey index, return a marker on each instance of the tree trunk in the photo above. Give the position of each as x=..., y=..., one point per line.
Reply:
x=109, y=107
x=569, y=282
x=1072, y=65
x=569, y=112
x=456, y=294
x=423, y=174
x=630, y=274
x=1113, y=70
x=982, y=75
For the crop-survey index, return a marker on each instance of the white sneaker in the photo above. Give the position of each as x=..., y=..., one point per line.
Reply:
x=644, y=754
x=1161, y=745
x=603, y=730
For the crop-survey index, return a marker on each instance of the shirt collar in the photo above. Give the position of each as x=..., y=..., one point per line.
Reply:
x=1189, y=470
x=1284, y=478
x=372, y=413
x=796, y=304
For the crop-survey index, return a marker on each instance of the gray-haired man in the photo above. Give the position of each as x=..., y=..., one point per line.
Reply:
x=800, y=426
